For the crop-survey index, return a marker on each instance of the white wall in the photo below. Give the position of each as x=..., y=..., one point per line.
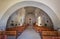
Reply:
x=53, y=4
x=17, y=17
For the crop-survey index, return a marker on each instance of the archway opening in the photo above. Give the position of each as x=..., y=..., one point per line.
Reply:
x=26, y=16
x=29, y=14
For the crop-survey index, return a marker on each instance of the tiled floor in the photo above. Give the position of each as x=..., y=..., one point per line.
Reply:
x=29, y=33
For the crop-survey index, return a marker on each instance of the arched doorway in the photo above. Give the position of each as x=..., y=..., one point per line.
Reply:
x=25, y=16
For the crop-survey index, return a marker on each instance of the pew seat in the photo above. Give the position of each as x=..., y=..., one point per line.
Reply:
x=50, y=33
x=58, y=33
x=50, y=37
x=46, y=37
x=11, y=33
x=57, y=37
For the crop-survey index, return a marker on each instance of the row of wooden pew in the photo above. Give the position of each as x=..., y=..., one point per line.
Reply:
x=17, y=28
x=42, y=28
x=50, y=35
x=5, y=34
x=47, y=33
x=12, y=32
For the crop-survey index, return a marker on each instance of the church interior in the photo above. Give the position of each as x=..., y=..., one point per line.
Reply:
x=29, y=22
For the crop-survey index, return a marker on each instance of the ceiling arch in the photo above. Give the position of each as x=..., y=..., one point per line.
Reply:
x=15, y=7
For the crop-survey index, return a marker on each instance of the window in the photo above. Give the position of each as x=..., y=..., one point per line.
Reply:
x=39, y=21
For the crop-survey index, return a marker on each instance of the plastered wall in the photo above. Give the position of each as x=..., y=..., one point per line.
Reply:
x=53, y=4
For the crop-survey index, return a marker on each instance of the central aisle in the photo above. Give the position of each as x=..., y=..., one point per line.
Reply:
x=29, y=33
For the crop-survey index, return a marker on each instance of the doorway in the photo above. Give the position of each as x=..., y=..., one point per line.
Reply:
x=29, y=15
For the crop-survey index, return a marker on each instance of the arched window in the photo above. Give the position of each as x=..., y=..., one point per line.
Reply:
x=39, y=21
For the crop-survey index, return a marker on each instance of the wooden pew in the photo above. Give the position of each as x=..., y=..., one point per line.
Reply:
x=42, y=28
x=51, y=37
x=11, y=33
x=58, y=33
x=17, y=28
x=46, y=37
x=57, y=37
x=20, y=29
x=49, y=33
x=3, y=35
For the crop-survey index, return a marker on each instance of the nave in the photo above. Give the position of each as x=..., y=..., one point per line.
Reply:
x=29, y=33
x=19, y=25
